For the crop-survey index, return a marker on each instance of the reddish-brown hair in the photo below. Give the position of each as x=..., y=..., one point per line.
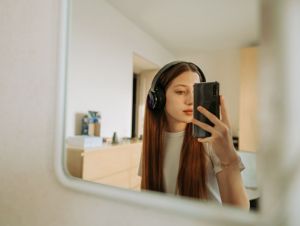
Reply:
x=192, y=173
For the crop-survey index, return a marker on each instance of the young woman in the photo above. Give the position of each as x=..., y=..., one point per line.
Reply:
x=173, y=161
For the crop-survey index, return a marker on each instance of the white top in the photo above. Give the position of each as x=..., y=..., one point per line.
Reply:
x=173, y=143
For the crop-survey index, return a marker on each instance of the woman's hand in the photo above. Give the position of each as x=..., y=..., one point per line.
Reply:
x=230, y=182
x=220, y=139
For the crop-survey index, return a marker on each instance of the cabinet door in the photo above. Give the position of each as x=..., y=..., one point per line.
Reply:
x=248, y=100
x=74, y=162
x=114, y=165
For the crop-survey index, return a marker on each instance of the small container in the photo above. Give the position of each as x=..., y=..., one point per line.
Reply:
x=97, y=123
x=85, y=125
x=115, y=139
x=97, y=129
x=91, y=128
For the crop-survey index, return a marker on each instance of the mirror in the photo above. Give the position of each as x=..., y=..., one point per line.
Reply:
x=115, y=49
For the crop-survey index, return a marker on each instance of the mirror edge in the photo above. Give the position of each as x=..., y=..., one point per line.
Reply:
x=182, y=206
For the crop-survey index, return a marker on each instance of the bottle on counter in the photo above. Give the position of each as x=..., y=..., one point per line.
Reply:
x=91, y=127
x=85, y=125
x=97, y=122
x=115, y=139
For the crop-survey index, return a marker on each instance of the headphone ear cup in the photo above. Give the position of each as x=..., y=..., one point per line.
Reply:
x=156, y=99
x=151, y=100
x=161, y=99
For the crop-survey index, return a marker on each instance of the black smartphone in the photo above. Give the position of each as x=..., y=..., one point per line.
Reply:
x=206, y=94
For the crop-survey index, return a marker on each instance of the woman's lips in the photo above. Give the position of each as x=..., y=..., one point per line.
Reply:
x=188, y=112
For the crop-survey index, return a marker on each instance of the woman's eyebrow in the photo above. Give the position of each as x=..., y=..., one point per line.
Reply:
x=181, y=85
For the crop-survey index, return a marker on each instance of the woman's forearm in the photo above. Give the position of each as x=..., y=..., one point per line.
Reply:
x=231, y=188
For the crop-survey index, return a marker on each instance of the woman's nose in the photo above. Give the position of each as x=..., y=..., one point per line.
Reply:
x=190, y=98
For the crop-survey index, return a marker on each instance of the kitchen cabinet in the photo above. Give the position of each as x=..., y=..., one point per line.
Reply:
x=248, y=124
x=115, y=165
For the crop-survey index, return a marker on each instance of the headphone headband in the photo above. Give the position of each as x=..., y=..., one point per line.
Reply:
x=169, y=65
x=156, y=96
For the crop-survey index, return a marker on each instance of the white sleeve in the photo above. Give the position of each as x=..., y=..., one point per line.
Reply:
x=217, y=163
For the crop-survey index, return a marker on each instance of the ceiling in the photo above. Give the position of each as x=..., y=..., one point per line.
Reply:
x=187, y=27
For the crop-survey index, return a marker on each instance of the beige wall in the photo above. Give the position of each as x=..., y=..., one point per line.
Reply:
x=223, y=66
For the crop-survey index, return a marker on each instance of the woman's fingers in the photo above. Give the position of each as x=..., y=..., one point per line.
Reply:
x=210, y=116
x=204, y=140
x=204, y=126
x=224, y=114
x=214, y=119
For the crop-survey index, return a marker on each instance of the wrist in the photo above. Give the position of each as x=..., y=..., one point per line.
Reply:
x=229, y=156
x=232, y=160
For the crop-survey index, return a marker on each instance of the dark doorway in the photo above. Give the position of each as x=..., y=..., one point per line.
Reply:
x=133, y=120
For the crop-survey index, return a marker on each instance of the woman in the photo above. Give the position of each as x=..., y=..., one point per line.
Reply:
x=173, y=161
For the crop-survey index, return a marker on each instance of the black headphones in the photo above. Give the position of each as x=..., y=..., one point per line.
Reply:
x=156, y=99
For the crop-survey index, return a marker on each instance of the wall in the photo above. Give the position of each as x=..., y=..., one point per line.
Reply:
x=30, y=193
x=100, y=39
x=100, y=73
x=144, y=80
x=279, y=110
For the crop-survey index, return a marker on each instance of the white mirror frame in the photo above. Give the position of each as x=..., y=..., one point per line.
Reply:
x=271, y=144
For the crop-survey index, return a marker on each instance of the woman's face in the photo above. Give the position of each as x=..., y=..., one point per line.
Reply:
x=179, y=101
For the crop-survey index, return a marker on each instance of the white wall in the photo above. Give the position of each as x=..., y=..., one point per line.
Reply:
x=100, y=72
x=279, y=107
x=100, y=68
x=30, y=193
x=223, y=66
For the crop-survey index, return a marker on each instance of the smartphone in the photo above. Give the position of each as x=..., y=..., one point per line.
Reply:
x=206, y=94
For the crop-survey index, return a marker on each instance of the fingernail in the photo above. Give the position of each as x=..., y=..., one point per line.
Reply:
x=200, y=108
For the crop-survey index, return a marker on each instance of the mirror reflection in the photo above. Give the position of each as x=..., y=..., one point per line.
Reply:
x=115, y=50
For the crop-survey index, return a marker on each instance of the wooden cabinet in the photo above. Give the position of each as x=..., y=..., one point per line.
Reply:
x=248, y=126
x=115, y=165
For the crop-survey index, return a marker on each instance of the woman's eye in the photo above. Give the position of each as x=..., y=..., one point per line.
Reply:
x=180, y=92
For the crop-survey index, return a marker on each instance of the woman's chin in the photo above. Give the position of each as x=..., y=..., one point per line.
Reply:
x=188, y=119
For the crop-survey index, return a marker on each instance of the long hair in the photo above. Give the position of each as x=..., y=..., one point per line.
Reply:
x=192, y=173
